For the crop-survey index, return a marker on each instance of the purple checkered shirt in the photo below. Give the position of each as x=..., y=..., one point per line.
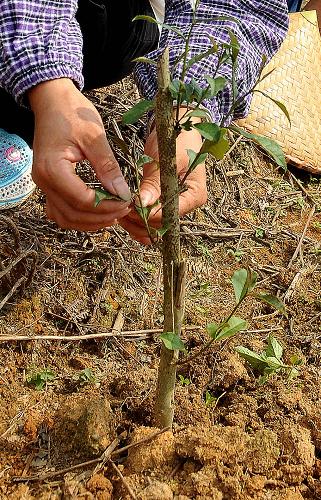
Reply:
x=41, y=40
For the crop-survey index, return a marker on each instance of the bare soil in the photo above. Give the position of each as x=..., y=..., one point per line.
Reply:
x=247, y=441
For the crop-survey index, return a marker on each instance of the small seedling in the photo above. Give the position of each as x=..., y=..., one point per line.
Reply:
x=39, y=379
x=184, y=381
x=259, y=233
x=210, y=400
x=269, y=362
x=86, y=376
x=237, y=254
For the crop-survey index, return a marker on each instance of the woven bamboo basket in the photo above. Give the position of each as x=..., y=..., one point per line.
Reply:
x=296, y=82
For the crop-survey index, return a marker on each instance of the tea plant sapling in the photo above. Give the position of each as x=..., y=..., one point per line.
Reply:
x=173, y=96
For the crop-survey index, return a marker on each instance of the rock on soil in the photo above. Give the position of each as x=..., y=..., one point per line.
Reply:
x=89, y=425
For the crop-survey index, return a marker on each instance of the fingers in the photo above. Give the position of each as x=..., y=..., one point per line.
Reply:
x=106, y=167
x=71, y=204
x=69, y=218
x=136, y=231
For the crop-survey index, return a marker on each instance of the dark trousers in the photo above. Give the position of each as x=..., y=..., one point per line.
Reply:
x=110, y=42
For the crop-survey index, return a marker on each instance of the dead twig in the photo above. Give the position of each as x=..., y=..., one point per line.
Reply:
x=123, y=480
x=12, y=291
x=118, y=324
x=103, y=291
x=13, y=423
x=108, y=451
x=14, y=230
x=298, y=248
x=68, y=338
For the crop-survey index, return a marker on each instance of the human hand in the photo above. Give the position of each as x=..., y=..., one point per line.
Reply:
x=194, y=197
x=68, y=129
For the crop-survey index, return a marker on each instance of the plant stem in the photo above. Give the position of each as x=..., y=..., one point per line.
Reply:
x=173, y=266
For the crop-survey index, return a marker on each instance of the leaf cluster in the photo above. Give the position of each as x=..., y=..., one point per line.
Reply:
x=244, y=282
x=270, y=362
x=39, y=379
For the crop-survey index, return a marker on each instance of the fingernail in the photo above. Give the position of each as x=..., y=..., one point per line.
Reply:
x=121, y=189
x=146, y=198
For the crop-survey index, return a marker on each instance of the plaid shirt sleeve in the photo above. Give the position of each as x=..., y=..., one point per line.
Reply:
x=260, y=30
x=39, y=40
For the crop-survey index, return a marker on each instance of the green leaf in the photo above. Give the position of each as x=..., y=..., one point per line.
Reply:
x=198, y=113
x=162, y=230
x=201, y=56
x=217, y=149
x=151, y=19
x=144, y=212
x=243, y=281
x=273, y=363
x=293, y=373
x=145, y=60
x=233, y=326
x=209, y=131
x=175, y=87
x=254, y=359
x=274, y=349
x=187, y=125
x=295, y=360
x=235, y=46
x=143, y=160
x=136, y=112
x=216, y=84
x=278, y=103
x=209, y=399
x=212, y=329
x=172, y=342
x=272, y=148
x=271, y=300
x=193, y=157
x=40, y=379
x=184, y=381
x=102, y=194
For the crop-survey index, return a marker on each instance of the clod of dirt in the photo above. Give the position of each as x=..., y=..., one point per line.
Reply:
x=292, y=474
x=286, y=494
x=297, y=447
x=204, y=484
x=263, y=451
x=156, y=491
x=21, y=493
x=312, y=420
x=240, y=410
x=155, y=454
x=31, y=425
x=231, y=371
x=100, y=486
x=190, y=408
x=86, y=427
x=226, y=444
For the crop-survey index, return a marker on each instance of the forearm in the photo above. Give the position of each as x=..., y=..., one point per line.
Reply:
x=40, y=41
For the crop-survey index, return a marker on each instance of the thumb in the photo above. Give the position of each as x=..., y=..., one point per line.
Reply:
x=106, y=167
x=150, y=186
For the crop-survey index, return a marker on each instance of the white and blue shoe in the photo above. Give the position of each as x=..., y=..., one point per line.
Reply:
x=16, y=183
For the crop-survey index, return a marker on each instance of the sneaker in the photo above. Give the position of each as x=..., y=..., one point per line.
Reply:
x=16, y=183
